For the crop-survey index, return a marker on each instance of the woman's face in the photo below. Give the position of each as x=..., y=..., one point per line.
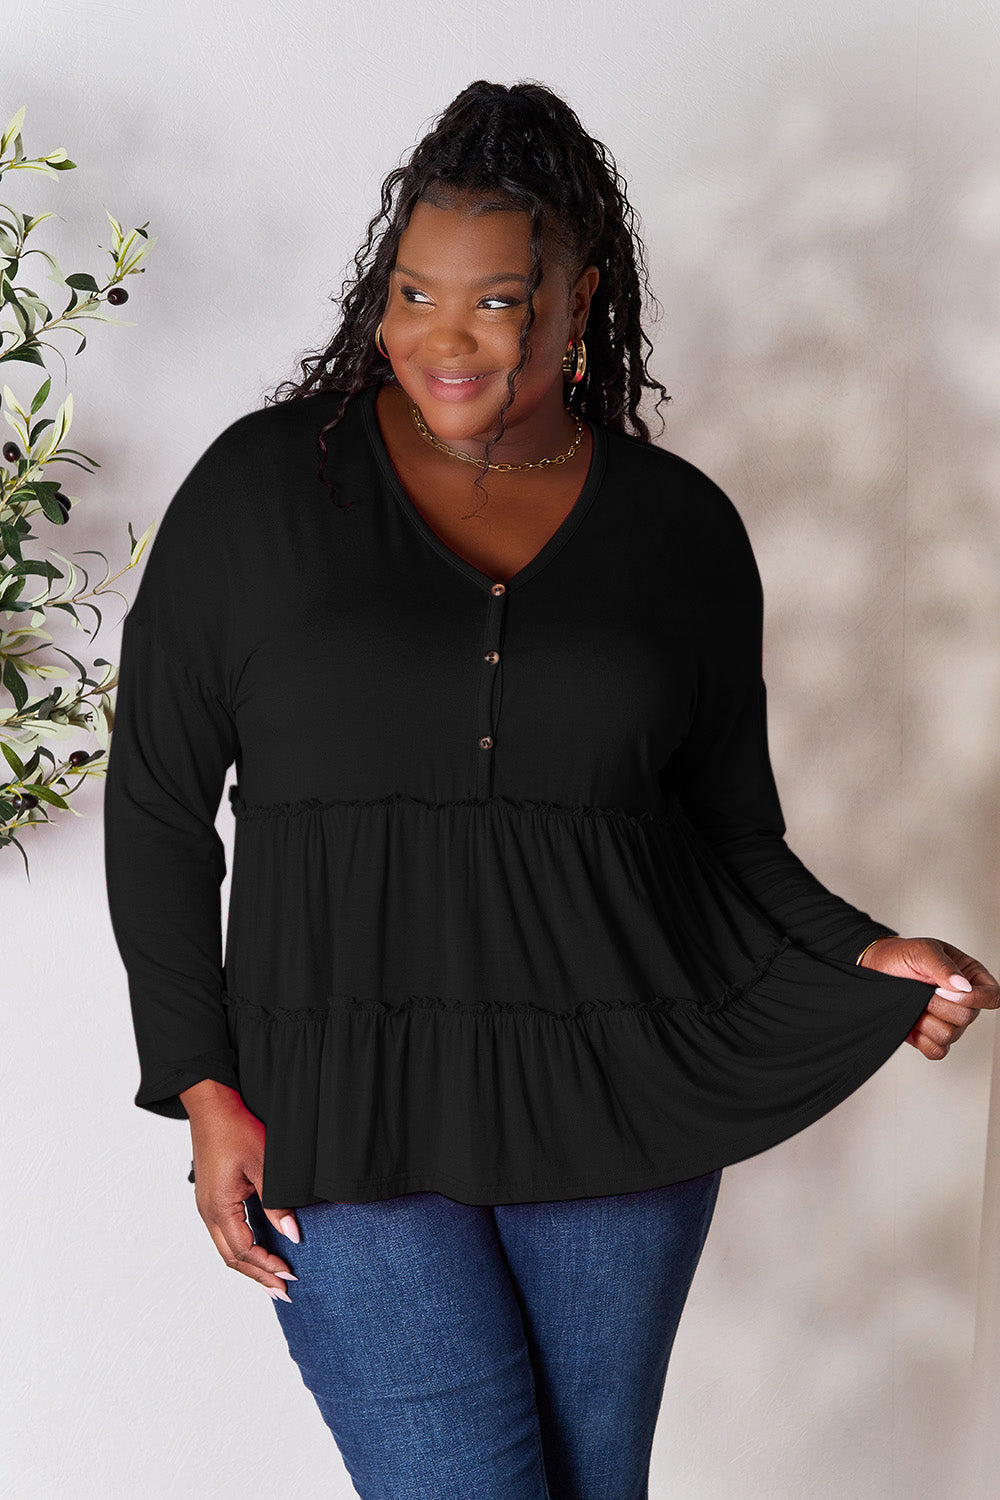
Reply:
x=457, y=298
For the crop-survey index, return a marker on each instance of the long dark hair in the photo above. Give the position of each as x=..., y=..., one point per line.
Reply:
x=507, y=147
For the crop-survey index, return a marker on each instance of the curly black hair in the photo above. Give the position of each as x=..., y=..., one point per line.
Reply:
x=507, y=147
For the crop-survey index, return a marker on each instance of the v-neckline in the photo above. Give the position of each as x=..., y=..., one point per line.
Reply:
x=558, y=539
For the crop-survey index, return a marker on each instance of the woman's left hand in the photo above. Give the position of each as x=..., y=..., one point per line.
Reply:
x=951, y=1008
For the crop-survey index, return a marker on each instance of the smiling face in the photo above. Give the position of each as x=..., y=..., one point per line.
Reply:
x=457, y=299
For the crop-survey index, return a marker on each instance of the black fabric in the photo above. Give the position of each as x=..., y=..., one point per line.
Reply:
x=579, y=961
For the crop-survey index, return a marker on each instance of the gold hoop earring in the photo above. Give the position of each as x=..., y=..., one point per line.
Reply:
x=378, y=341
x=574, y=363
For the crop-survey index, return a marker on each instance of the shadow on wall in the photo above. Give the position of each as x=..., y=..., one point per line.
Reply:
x=827, y=266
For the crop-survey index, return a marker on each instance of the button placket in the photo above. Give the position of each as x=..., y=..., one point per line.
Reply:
x=486, y=721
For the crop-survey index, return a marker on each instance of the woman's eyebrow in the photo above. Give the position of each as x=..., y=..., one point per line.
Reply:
x=486, y=280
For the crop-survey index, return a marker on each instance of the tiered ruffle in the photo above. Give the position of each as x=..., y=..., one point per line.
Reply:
x=508, y=1002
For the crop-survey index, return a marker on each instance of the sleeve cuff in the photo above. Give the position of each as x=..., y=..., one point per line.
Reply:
x=160, y=1093
x=872, y=941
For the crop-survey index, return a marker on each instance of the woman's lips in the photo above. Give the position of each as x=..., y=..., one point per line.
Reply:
x=455, y=388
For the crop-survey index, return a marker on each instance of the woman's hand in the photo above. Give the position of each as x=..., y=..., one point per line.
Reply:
x=952, y=1007
x=228, y=1145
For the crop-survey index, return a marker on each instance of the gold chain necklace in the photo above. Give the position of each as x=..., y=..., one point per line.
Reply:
x=541, y=463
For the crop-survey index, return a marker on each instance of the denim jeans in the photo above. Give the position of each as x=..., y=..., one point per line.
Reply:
x=508, y=1352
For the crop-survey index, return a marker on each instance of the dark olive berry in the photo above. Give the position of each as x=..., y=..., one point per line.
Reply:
x=117, y=295
x=11, y=452
x=28, y=799
x=79, y=757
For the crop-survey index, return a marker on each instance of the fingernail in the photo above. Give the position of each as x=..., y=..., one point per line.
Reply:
x=276, y=1292
x=960, y=982
x=289, y=1228
x=286, y=1275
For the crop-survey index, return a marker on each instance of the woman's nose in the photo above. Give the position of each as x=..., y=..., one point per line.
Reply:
x=448, y=337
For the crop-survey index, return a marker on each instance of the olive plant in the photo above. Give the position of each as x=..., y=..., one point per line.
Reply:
x=40, y=772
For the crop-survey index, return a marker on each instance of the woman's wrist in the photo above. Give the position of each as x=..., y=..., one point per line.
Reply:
x=208, y=1097
x=872, y=944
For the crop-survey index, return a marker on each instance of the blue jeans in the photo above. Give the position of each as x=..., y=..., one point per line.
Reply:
x=509, y=1352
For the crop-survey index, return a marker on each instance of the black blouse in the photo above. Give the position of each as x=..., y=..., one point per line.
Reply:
x=512, y=916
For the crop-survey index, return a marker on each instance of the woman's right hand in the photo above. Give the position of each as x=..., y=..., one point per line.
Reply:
x=228, y=1147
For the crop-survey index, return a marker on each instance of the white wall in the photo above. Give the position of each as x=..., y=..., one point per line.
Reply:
x=820, y=196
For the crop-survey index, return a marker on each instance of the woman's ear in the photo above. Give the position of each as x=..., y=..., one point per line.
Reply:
x=582, y=293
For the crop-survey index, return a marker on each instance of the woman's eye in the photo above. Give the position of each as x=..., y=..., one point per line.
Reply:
x=412, y=294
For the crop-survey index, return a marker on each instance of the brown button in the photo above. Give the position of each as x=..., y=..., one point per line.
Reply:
x=492, y=656
x=499, y=588
x=486, y=742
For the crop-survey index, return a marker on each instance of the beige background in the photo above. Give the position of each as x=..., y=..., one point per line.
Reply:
x=820, y=197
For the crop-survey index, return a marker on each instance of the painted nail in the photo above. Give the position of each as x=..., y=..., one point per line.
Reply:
x=277, y=1293
x=289, y=1228
x=286, y=1275
x=960, y=982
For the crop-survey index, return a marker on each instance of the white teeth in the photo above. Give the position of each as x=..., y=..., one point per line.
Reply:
x=451, y=380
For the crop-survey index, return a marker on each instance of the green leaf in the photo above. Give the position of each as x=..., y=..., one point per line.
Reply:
x=20, y=847
x=29, y=224
x=57, y=274
x=64, y=460
x=41, y=395
x=52, y=509
x=46, y=794
x=26, y=353
x=10, y=540
x=93, y=461
x=15, y=684
x=11, y=401
x=13, y=129
x=92, y=310
x=139, y=543
x=13, y=758
x=78, y=664
x=12, y=588
x=31, y=302
x=83, y=281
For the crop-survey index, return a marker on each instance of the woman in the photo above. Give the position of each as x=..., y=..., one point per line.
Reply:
x=517, y=958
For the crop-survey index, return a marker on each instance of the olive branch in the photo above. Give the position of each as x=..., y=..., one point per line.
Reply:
x=37, y=724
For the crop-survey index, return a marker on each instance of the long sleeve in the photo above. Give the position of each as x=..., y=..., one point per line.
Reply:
x=721, y=772
x=173, y=741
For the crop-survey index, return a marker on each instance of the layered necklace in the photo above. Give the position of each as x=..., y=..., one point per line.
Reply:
x=539, y=463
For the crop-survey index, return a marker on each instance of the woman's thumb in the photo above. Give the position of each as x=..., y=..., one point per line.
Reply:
x=284, y=1221
x=944, y=973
